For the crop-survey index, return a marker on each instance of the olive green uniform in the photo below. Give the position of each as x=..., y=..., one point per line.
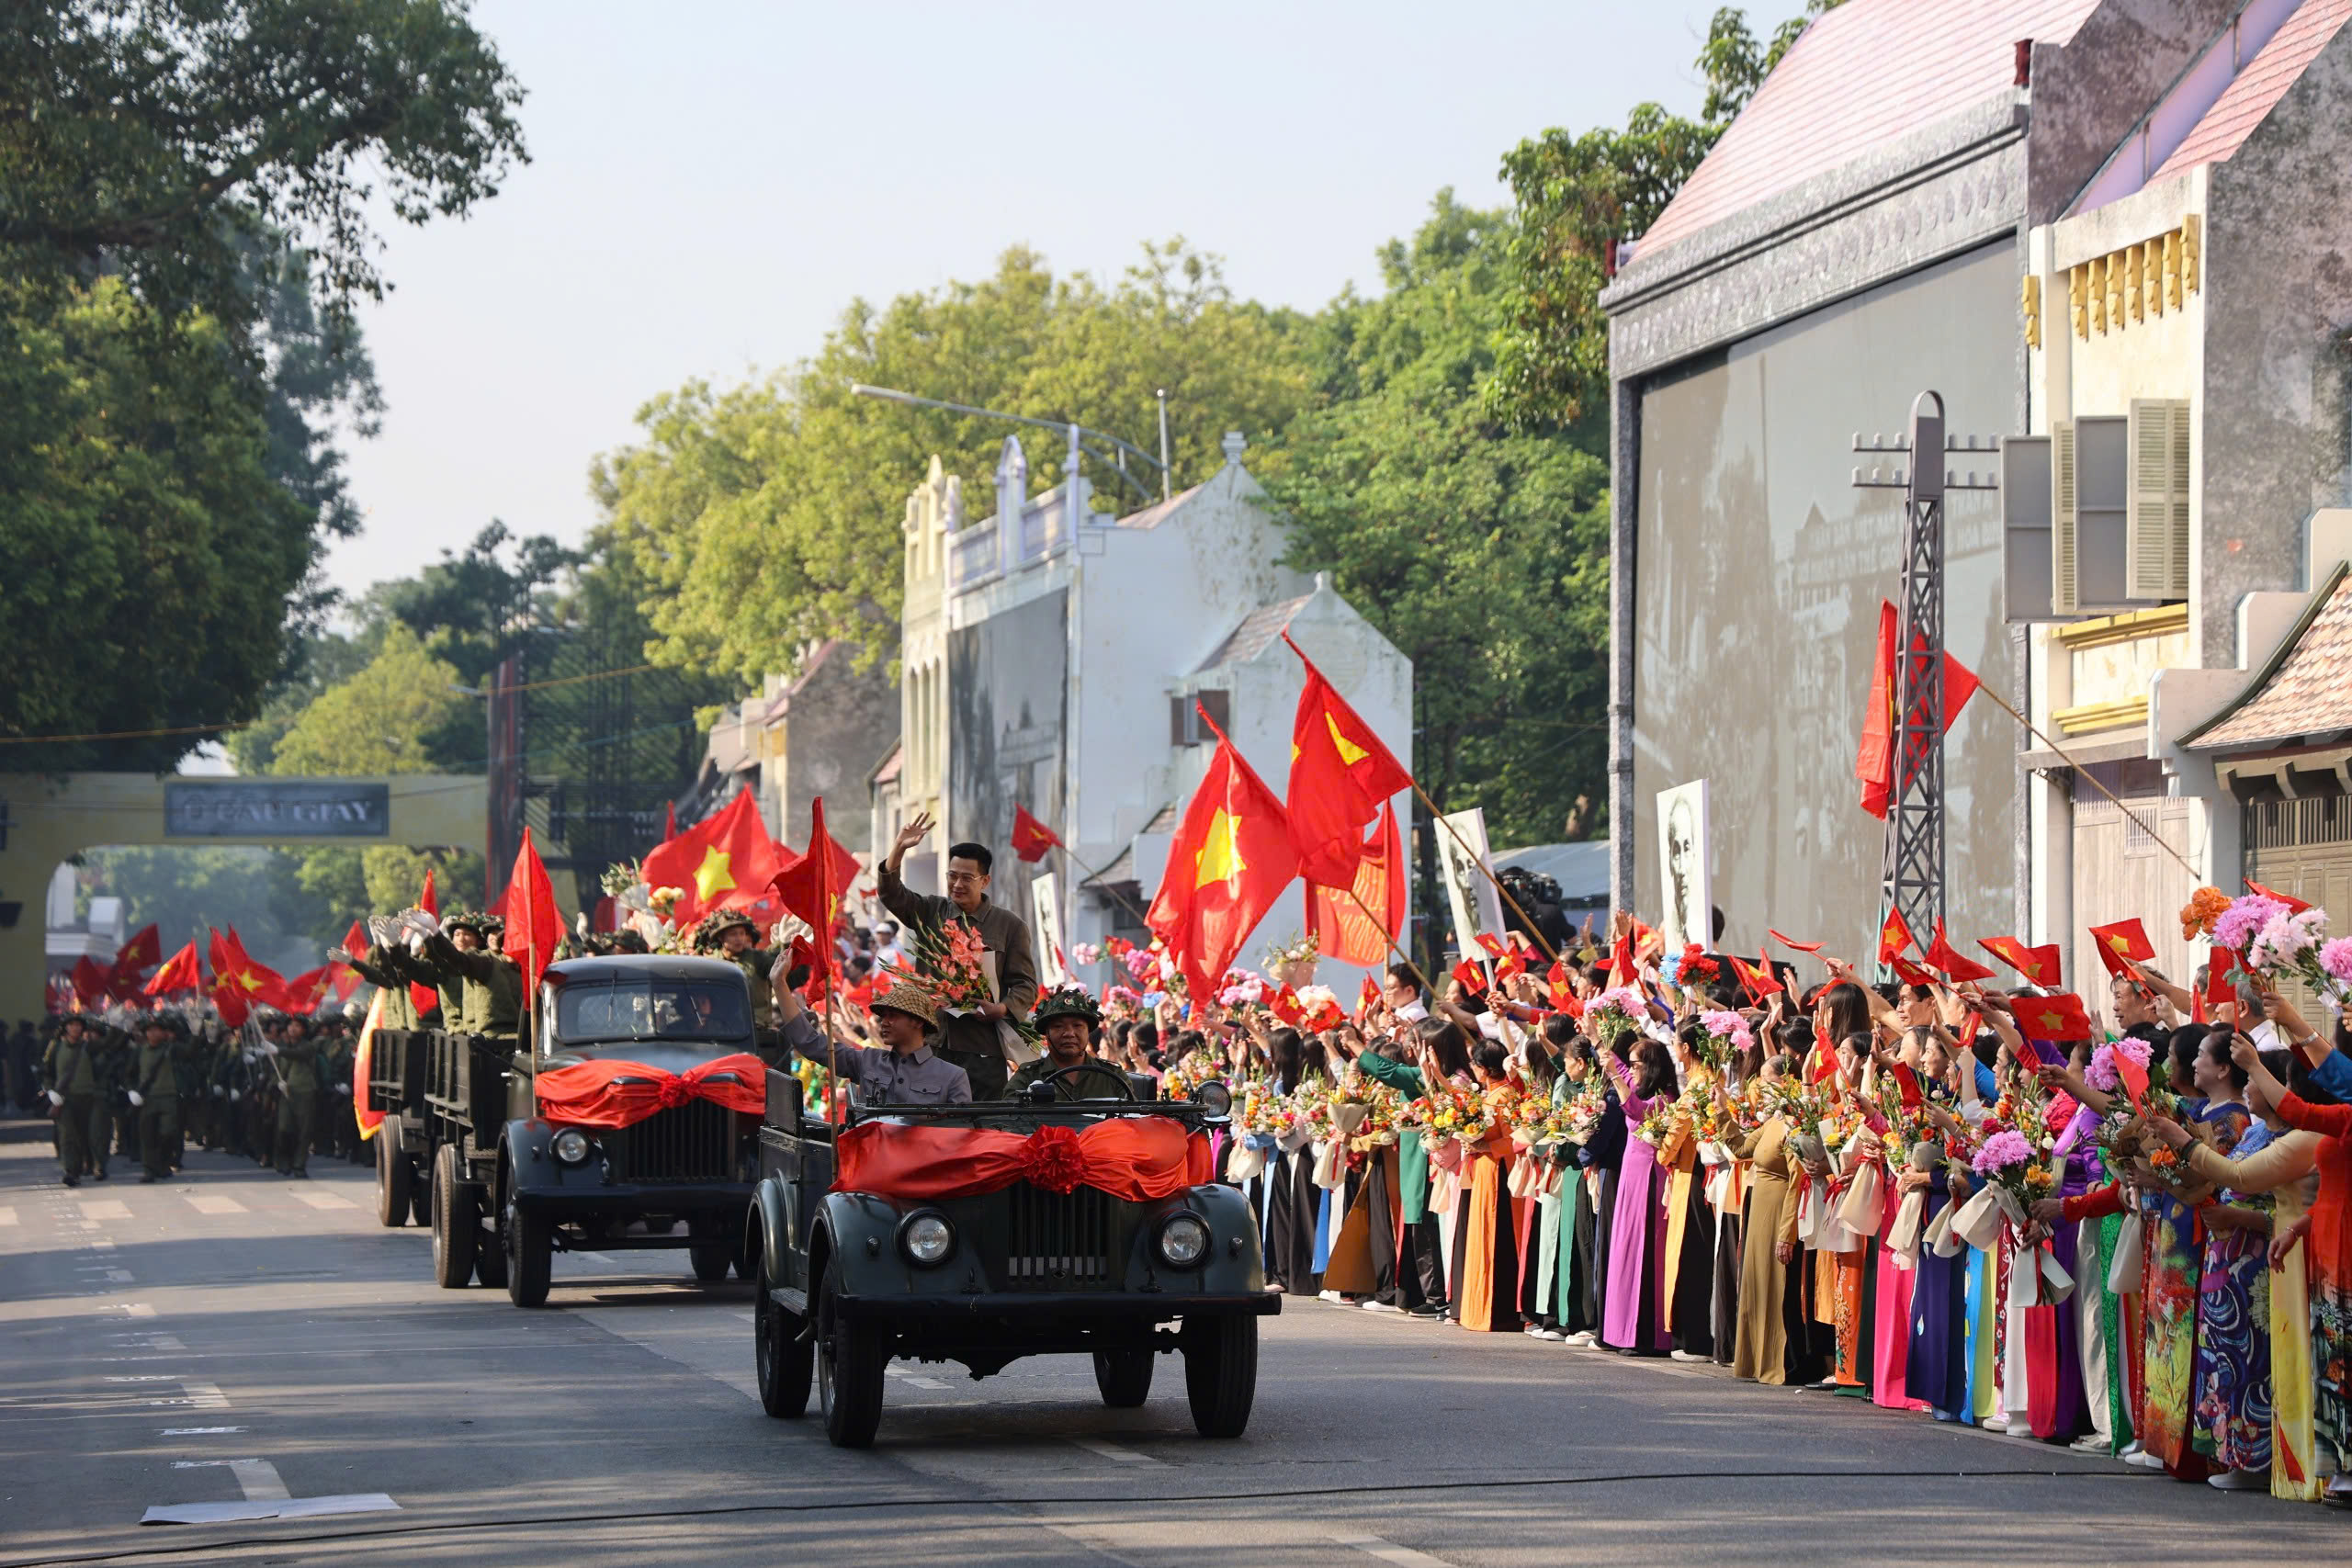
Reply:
x=489, y=986
x=77, y=1070
x=155, y=1078
x=755, y=963
x=297, y=1105
x=1094, y=1079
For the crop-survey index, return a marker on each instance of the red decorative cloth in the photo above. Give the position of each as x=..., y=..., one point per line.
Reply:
x=621, y=1094
x=1132, y=1159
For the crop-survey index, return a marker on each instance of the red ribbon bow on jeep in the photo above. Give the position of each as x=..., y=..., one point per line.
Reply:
x=1131, y=1157
x=621, y=1094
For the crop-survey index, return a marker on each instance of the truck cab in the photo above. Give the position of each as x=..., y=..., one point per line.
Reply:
x=673, y=1036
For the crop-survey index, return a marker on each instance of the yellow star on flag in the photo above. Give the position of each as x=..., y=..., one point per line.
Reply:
x=2120, y=943
x=247, y=979
x=715, y=875
x=1349, y=752
x=2053, y=1020
x=1220, y=857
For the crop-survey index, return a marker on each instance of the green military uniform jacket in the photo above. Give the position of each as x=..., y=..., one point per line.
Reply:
x=155, y=1074
x=489, y=986
x=755, y=963
x=1095, y=1080
x=298, y=1064
x=68, y=1069
x=400, y=1010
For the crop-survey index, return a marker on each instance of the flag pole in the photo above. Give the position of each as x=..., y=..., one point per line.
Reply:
x=2082, y=772
x=1439, y=816
x=1402, y=956
x=1095, y=876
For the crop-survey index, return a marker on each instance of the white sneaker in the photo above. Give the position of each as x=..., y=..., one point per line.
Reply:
x=1580, y=1340
x=1329, y=1296
x=2240, y=1481
x=1996, y=1422
x=1552, y=1334
x=2144, y=1460
x=1533, y=1330
x=2127, y=1449
x=1686, y=1356
x=2089, y=1443
x=1372, y=1304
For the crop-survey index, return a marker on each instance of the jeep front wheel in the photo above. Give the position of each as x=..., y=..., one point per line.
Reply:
x=1220, y=1372
x=851, y=1361
x=1124, y=1376
x=530, y=1241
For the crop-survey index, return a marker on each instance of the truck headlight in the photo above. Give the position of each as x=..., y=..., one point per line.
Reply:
x=1215, y=1098
x=572, y=1146
x=926, y=1238
x=1183, y=1240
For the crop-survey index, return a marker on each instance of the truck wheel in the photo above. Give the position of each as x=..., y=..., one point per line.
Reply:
x=420, y=1190
x=1124, y=1376
x=490, y=1260
x=530, y=1254
x=786, y=1362
x=1220, y=1372
x=456, y=1224
x=850, y=1364
x=712, y=1250
x=393, y=1178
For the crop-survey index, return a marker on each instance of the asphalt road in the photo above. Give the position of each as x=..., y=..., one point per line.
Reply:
x=229, y=1335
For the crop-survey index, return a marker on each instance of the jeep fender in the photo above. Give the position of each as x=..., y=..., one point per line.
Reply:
x=767, y=1231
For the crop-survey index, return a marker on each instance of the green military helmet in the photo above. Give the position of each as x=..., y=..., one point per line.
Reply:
x=1069, y=1001
x=713, y=928
x=481, y=925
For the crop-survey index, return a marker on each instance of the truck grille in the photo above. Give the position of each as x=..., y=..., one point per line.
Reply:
x=695, y=1142
x=1061, y=1242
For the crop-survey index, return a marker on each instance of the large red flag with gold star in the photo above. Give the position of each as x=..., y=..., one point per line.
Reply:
x=1231, y=858
x=811, y=886
x=1341, y=775
x=725, y=861
x=1357, y=925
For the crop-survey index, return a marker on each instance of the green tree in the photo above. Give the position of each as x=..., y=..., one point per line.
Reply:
x=1478, y=551
x=767, y=515
x=382, y=720
x=1576, y=195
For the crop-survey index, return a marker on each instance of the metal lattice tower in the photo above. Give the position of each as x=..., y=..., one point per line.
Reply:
x=1911, y=876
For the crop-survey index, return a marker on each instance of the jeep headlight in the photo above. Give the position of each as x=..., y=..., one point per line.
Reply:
x=926, y=1238
x=1215, y=1098
x=1183, y=1240
x=572, y=1146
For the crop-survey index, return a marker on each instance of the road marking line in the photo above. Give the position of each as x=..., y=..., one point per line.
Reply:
x=257, y=1478
x=205, y=1395
x=167, y=1342
x=143, y=1377
x=912, y=1379
x=1389, y=1552
x=213, y=1204
x=104, y=1209
x=325, y=1201
x=7, y=1217
x=102, y=1244
x=117, y=1276
x=201, y=1431
x=1113, y=1451
x=130, y=1309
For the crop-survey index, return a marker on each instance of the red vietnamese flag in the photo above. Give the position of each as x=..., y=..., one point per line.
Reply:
x=726, y=861
x=1942, y=956
x=1367, y=995
x=180, y=975
x=2135, y=1080
x=1556, y=982
x=1757, y=979
x=811, y=887
x=1472, y=977
x=144, y=951
x=1231, y=858
x=1792, y=944
x=1511, y=964
x=1284, y=1005
x=1910, y=973
x=2294, y=906
x=239, y=982
x=2122, y=940
x=2038, y=964
x=306, y=990
x=534, y=925
x=363, y=1058
x=2218, y=989
x=1340, y=774
x=1621, y=962
x=89, y=981
x=1893, y=936
x=1874, y=758
x=2057, y=1019
x=1360, y=929
x=1031, y=838
x=422, y=997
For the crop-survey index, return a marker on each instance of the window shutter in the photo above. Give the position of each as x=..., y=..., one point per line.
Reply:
x=2062, y=519
x=2156, y=545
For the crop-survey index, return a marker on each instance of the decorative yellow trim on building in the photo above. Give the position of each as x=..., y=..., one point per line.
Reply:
x=2130, y=626
x=2143, y=278
x=2032, y=305
x=2089, y=716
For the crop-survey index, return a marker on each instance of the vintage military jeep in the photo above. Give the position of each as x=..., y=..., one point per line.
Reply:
x=981, y=1233
x=667, y=1041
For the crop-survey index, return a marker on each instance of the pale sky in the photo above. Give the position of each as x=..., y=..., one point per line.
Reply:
x=712, y=183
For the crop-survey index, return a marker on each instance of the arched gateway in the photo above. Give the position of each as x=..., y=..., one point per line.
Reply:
x=46, y=818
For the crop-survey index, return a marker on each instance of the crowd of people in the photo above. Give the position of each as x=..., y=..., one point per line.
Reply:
x=1972, y=1204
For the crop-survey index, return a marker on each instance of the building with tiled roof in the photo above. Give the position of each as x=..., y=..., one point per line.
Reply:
x=2106, y=232
x=1057, y=657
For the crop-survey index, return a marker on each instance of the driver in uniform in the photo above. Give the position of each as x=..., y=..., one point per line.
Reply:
x=1071, y=1023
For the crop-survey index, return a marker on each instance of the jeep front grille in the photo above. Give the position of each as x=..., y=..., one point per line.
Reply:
x=1061, y=1242
x=694, y=1142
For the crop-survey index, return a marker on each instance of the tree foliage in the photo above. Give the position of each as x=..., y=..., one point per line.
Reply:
x=1576, y=195
x=382, y=720
x=766, y=517
x=1478, y=551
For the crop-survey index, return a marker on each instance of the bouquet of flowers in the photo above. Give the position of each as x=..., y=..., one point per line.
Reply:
x=2273, y=940
x=1382, y=1107
x=1726, y=1036
x=1085, y=952
x=1581, y=1112
x=1693, y=968
x=1614, y=1013
x=1320, y=1006
x=949, y=962
x=1659, y=1125
x=1243, y=988
x=2010, y=1164
x=2102, y=1074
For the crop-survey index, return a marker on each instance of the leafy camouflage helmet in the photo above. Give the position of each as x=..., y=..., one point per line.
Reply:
x=481, y=925
x=1069, y=1001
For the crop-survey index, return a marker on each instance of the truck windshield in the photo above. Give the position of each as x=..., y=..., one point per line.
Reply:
x=652, y=1009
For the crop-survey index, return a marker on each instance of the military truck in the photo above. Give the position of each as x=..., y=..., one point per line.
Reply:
x=850, y=1279
x=465, y=1141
